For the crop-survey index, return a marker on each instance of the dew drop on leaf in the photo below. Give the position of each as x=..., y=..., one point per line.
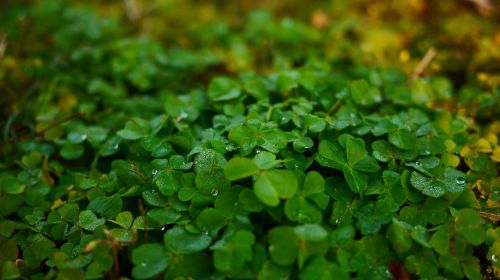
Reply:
x=460, y=180
x=154, y=172
x=214, y=192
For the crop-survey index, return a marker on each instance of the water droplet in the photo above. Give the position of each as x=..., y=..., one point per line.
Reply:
x=283, y=119
x=163, y=229
x=427, y=152
x=83, y=137
x=214, y=192
x=461, y=180
x=337, y=221
x=154, y=172
x=418, y=163
x=205, y=232
x=257, y=151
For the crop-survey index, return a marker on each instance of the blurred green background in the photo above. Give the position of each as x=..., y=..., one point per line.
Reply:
x=68, y=43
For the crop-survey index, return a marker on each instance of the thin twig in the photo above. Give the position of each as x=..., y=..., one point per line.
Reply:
x=422, y=65
x=3, y=45
x=50, y=126
x=491, y=216
x=335, y=107
x=116, y=261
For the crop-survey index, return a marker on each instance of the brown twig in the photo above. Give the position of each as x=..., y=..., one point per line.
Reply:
x=49, y=127
x=335, y=107
x=116, y=263
x=491, y=216
x=3, y=45
x=422, y=65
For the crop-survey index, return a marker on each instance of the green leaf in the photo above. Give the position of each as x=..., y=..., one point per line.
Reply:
x=468, y=224
x=245, y=137
x=209, y=159
x=440, y=241
x=256, y=88
x=364, y=94
x=149, y=260
x=454, y=180
x=10, y=270
x=223, y=88
x=426, y=185
x=313, y=183
x=333, y=152
x=300, y=210
x=211, y=182
x=399, y=237
x=356, y=180
x=358, y=157
x=421, y=236
x=167, y=182
x=180, y=241
x=403, y=139
x=311, y=232
x=71, y=151
x=382, y=150
x=265, y=160
x=164, y=216
x=124, y=219
x=107, y=207
x=89, y=221
x=272, y=185
x=238, y=168
x=301, y=144
x=283, y=245
x=134, y=129
x=11, y=185
x=314, y=123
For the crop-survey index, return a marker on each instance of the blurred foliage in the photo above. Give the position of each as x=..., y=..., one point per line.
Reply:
x=235, y=139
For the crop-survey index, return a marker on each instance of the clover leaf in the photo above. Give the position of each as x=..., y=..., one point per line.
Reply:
x=89, y=221
x=283, y=245
x=180, y=241
x=272, y=185
x=353, y=163
x=451, y=180
x=238, y=168
x=149, y=260
x=223, y=88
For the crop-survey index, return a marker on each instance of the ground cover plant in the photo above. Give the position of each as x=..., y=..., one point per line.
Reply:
x=249, y=140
